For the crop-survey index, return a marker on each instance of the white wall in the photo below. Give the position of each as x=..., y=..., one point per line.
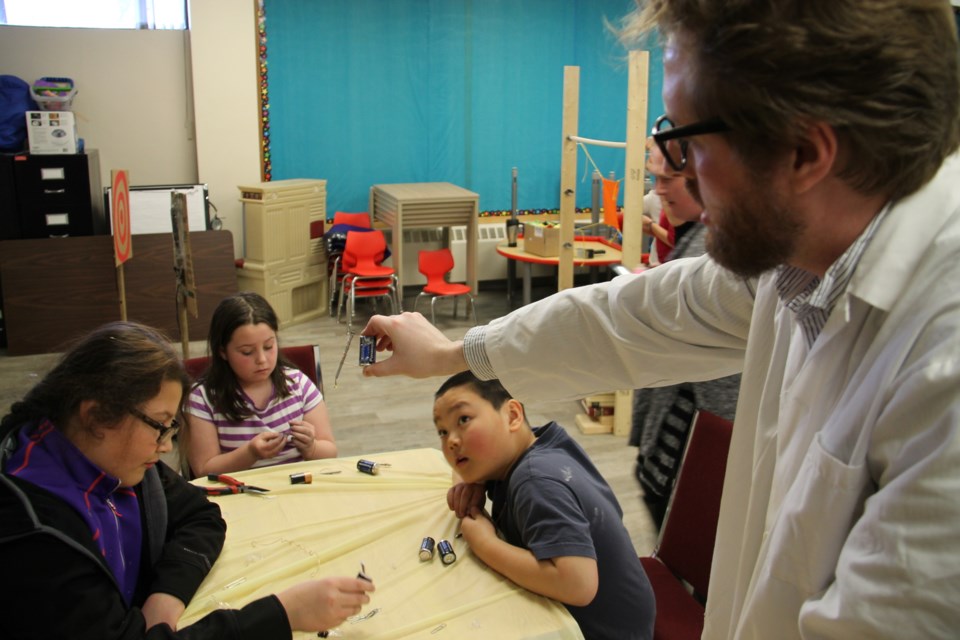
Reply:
x=132, y=102
x=224, y=55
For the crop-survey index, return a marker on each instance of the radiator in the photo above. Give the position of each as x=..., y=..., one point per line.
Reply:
x=490, y=264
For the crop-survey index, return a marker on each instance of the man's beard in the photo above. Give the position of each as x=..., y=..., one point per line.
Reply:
x=755, y=233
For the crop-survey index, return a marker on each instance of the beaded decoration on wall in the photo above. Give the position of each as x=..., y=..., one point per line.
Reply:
x=263, y=95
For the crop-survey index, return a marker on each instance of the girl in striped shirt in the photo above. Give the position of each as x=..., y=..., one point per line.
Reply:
x=251, y=408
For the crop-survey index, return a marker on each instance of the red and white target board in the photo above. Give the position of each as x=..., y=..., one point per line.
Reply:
x=120, y=216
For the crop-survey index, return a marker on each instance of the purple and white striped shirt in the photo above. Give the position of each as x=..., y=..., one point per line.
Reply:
x=276, y=416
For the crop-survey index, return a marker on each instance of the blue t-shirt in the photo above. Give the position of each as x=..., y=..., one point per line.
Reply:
x=555, y=503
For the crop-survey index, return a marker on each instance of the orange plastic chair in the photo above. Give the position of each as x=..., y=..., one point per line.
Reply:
x=435, y=265
x=364, y=276
x=685, y=549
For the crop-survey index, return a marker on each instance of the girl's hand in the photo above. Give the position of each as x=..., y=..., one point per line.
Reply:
x=162, y=607
x=647, y=225
x=267, y=444
x=304, y=435
x=318, y=605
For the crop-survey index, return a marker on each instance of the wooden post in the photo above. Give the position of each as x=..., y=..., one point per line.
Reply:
x=122, y=286
x=637, y=83
x=635, y=158
x=568, y=175
x=186, y=291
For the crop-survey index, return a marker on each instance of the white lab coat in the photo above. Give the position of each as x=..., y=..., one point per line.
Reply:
x=841, y=505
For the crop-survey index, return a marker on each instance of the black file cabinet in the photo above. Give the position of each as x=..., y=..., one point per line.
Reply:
x=44, y=196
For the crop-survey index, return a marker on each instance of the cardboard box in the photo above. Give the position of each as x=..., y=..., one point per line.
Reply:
x=51, y=132
x=541, y=239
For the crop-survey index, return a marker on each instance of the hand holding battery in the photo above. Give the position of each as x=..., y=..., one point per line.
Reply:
x=326, y=603
x=420, y=350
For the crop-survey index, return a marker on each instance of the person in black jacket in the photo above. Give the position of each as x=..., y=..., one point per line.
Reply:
x=100, y=539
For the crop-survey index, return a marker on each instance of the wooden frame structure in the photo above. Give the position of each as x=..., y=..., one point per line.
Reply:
x=632, y=248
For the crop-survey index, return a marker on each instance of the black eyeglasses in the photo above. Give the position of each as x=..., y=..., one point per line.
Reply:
x=165, y=431
x=664, y=131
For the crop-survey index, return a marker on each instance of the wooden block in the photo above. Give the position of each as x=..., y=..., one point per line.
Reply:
x=591, y=427
x=623, y=413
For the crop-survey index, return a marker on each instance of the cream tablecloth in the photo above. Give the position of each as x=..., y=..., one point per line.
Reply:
x=329, y=527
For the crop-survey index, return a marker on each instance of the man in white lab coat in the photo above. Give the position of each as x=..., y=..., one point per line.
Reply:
x=821, y=138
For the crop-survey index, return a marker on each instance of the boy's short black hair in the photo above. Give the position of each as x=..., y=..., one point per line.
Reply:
x=490, y=390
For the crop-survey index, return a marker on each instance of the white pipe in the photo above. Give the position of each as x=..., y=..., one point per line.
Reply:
x=599, y=143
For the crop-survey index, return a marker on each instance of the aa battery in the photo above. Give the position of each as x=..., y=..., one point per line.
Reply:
x=368, y=350
x=447, y=556
x=368, y=466
x=301, y=478
x=426, y=548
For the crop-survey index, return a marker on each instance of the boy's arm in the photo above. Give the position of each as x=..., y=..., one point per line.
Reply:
x=571, y=580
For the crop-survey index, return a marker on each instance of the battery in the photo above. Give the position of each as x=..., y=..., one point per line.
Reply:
x=447, y=556
x=426, y=548
x=301, y=478
x=368, y=350
x=368, y=466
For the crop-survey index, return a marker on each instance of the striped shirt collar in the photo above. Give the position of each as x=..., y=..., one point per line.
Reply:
x=811, y=298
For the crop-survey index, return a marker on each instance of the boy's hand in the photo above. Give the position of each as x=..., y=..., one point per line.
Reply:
x=463, y=496
x=477, y=526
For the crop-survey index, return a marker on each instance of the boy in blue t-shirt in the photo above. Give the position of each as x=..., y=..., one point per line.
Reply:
x=562, y=528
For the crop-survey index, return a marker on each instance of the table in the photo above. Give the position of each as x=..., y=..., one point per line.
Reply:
x=329, y=527
x=611, y=255
x=426, y=204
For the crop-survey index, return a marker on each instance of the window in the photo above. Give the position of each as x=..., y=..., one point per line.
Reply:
x=97, y=14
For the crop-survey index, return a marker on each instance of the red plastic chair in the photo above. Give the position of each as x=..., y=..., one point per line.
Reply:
x=335, y=269
x=364, y=276
x=435, y=265
x=685, y=549
x=304, y=357
x=353, y=219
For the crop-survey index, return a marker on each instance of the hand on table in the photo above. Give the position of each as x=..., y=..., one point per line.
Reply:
x=477, y=526
x=462, y=496
x=420, y=350
x=318, y=605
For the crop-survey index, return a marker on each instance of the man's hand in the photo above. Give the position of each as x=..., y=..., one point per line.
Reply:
x=420, y=350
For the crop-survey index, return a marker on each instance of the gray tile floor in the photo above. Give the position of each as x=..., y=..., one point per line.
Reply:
x=371, y=415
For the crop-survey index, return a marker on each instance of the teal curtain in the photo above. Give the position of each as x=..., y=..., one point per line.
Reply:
x=364, y=92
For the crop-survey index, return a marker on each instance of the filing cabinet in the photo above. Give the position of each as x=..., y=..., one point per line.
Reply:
x=44, y=196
